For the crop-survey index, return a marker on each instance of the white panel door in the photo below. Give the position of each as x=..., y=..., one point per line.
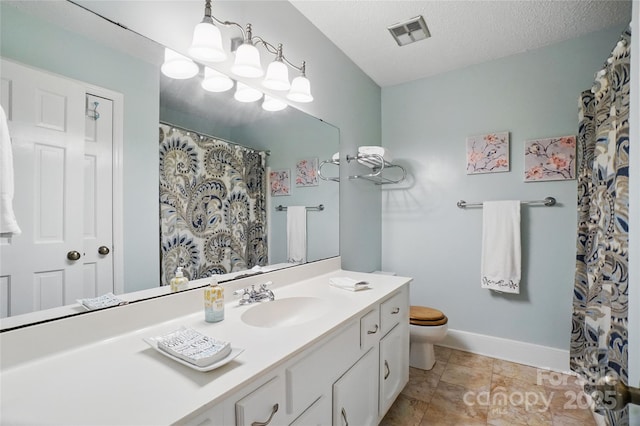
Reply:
x=47, y=126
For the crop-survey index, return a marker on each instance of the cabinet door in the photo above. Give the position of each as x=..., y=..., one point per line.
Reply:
x=264, y=405
x=355, y=394
x=319, y=414
x=394, y=365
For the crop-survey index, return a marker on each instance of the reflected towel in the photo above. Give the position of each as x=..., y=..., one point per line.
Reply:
x=297, y=234
x=8, y=223
x=501, y=254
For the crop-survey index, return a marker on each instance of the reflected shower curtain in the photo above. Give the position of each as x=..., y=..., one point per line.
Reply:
x=212, y=205
x=599, y=322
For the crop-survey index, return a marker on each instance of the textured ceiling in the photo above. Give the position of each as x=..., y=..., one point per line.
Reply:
x=462, y=32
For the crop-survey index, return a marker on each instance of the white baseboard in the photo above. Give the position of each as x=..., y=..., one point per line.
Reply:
x=509, y=350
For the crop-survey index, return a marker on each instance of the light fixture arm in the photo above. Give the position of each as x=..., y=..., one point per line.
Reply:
x=277, y=51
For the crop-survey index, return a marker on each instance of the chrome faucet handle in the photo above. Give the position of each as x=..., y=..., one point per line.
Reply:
x=265, y=285
x=241, y=292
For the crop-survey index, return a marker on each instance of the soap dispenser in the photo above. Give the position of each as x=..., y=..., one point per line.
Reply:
x=179, y=282
x=213, y=301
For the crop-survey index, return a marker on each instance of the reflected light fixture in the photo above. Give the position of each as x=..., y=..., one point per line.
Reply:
x=207, y=46
x=273, y=104
x=178, y=66
x=246, y=93
x=215, y=81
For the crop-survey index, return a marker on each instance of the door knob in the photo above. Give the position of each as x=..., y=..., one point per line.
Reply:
x=103, y=250
x=73, y=255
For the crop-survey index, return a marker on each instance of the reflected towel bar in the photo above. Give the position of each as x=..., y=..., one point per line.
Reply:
x=547, y=202
x=319, y=208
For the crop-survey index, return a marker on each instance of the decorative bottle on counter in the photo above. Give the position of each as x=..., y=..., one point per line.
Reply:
x=179, y=282
x=214, y=302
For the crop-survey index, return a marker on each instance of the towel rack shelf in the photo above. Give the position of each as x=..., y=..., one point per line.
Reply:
x=324, y=163
x=547, y=202
x=378, y=165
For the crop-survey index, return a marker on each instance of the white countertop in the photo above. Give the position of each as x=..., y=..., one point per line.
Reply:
x=121, y=380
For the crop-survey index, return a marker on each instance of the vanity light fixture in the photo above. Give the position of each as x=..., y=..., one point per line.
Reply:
x=207, y=40
x=207, y=46
x=178, y=66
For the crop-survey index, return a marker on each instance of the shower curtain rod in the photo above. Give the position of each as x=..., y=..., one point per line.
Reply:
x=547, y=202
x=319, y=208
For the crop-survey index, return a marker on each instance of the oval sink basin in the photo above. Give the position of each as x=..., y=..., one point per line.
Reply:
x=285, y=312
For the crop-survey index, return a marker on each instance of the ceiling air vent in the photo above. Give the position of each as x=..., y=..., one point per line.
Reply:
x=410, y=31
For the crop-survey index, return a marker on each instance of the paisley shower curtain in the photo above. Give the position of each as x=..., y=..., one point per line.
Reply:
x=599, y=323
x=212, y=205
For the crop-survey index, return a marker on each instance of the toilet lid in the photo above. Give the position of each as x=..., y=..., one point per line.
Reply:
x=423, y=313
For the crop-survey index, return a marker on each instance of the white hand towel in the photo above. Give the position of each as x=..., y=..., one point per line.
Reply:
x=501, y=254
x=297, y=234
x=335, y=157
x=348, y=283
x=8, y=223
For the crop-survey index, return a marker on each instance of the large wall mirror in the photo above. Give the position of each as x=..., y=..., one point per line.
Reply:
x=45, y=41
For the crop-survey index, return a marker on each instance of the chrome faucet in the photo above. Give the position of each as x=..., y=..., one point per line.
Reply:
x=253, y=295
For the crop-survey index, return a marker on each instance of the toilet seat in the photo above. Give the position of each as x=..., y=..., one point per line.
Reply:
x=426, y=317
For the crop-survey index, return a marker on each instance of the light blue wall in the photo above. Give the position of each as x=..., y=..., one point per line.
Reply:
x=425, y=236
x=289, y=141
x=39, y=44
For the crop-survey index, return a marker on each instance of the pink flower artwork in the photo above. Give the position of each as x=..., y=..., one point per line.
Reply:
x=488, y=153
x=280, y=182
x=307, y=172
x=550, y=159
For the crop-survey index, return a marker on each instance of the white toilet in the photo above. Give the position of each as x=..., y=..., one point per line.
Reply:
x=426, y=327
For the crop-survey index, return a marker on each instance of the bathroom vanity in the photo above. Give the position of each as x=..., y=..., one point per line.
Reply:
x=317, y=355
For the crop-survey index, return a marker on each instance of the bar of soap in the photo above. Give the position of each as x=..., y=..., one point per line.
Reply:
x=194, y=347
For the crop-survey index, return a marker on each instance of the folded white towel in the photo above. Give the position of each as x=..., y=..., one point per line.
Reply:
x=297, y=234
x=8, y=223
x=348, y=283
x=370, y=156
x=501, y=251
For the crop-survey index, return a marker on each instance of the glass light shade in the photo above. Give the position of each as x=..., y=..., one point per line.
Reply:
x=178, y=66
x=273, y=104
x=277, y=77
x=245, y=93
x=247, y=63
x=207, y=43
x=215, y=81
x=300, y=90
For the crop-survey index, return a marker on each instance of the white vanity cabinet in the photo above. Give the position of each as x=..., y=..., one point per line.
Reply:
x=394, y=348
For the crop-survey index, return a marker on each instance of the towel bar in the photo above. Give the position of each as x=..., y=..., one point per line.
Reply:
x=547, y=202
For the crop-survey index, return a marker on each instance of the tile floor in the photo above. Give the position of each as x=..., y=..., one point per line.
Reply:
x=464, y=389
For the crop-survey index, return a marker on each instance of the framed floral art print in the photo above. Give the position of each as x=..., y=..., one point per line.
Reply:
x=550, y=159
x=307, y=172
x=280, y=182
x=488, y=153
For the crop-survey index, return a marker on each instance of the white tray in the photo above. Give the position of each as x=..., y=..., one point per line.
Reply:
x=234, y=353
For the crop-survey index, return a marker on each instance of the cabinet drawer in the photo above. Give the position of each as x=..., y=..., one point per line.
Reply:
x=370, y=329
x=263, y=404
x=392, y=311
x=309, y=378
